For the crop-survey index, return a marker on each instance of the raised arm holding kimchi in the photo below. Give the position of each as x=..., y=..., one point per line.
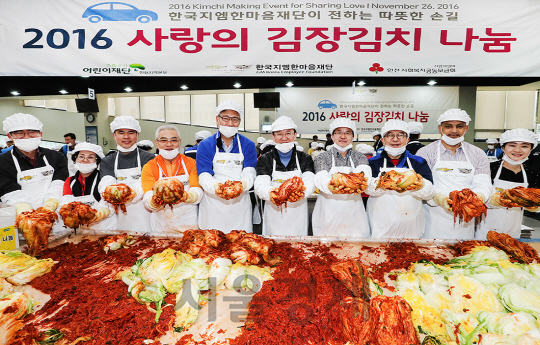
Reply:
x=289, y=191
x=36, y=226
x=169, y=192
x=466, y=205
x=118, y=195
x=352, y=183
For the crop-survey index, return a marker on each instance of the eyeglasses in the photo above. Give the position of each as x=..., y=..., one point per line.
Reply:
x=165, y=141
x=287, y=134
x=23, y=133
x=349, y=133
x=235, y=120
x=86, y=158
x=392, y=135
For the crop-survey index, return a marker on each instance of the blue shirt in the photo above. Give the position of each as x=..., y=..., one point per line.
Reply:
x=207, y=151
x=285, y=157
x=7, y=149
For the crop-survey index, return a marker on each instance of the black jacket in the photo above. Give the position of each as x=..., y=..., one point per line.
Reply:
x=266, y=162
x=414, y=146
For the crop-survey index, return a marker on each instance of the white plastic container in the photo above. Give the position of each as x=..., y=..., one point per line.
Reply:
x=9, y=238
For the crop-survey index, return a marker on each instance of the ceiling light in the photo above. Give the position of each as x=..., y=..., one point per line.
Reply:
x=237, y=85
x=128, y=89
x=184, y=87
x=361, y=83
x=15, y=93
x=85, y=76
x=63, y=92
x=431, y=82
x=289, y=84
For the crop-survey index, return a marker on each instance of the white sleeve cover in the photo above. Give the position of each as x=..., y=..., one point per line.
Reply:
x=55, y=191
x=366, y=169
x=308, y=177
x=321, y=180
x=425, y=193
x=66, y=199
x=16, y=197
x=372, y=185
x=481, y=183
x=105, y=182
x=263, y=186
x=199, y=192
x=139, y=193
x=103, y=204
x=248, y=175
x=208, y=183
x=147, y=196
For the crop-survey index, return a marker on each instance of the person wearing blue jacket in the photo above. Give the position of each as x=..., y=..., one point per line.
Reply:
x=226, y=156
x=392, y=214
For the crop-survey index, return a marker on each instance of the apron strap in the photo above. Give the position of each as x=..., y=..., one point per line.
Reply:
x=116, y=161
x=439, y=152
x=525, y=180
x=92, y=190
x=465, y=152
x=334, y=161
x=17, y=166
x=297, y=163
x=162, y=173
x=524, y=175
x=499, y=171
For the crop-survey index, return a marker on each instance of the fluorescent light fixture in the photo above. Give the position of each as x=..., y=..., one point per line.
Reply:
x=63, y=92
x=128, y=89
x=237, y=85
x=431, y=82
x=184, y=87
x=289, y=84
x=361, y=83
x=15, y=93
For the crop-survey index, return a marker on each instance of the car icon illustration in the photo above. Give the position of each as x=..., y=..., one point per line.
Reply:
x=118, y=12
x=326, y=104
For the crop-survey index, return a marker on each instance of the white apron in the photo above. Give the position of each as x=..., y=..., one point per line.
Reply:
x=395, y=215
x=221, y=214
x=449, y=176
x=285, y=221
x=182, y=216
x=340, y=214
x=137, y=217
x=71, y=164
x=505, y=220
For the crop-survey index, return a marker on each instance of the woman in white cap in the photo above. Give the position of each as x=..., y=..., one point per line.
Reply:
x=226, y=156
x=171, y=164
x=30, y=176
x=320, y=149
x=145, y=145
x=125, y=166
x=376, y=135
x=455, y=165
x=415, y=129
x=83, y=186
x=260, y=141
x=312, y=147
x=274, y=168
x=392, y=214
x=340, y=214
x=493, y=152
x=508, y=173
x=199, y=136
x=366, y=150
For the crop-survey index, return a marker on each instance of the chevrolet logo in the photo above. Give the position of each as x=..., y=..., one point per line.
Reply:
x=26, y=178
x=444, y=169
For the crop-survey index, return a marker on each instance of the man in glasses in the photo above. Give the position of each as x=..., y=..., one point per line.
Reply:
x=392, y=214
x=226, y=156
x=30, y=176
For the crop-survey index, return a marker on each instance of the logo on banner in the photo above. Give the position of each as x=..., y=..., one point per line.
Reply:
x=242, y=66
x=326, y=105
x=137, y=66
x=118, y=12
x=376, y=68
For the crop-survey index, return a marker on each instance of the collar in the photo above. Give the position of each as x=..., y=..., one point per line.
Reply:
x=338, y=154
x=460, y=147
x=21, y=155
x=220, y=144
x=403, y=156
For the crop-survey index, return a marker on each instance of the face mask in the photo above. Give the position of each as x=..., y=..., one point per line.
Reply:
x=227, y=131
x=452, y=141
x=491, y=147
x=169, y=154
x=513, y=162
x=342, y=149
x=394, y=151
x=121, y=149
x=27, y=145
x=86, y=168
x=284, y=148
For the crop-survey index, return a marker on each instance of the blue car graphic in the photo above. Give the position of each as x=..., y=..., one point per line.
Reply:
x=326, y=104
x=118, y=12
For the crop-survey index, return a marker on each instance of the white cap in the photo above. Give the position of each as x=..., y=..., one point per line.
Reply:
x=314, y=144
x=145, y=143
x=283, y=122
x=84, y=146
x=492, y=141
x=267, y=143
x=261, y=140
x=125, y=122
x=415, y=127
x=20, y=121
x=320, y=145
x=454, y=115
x=229, y=104
x=201, y=135
x=365, y=149
x=342, y=122
x=395, y=125
x=374, y=133
x=519, y=134
x=298, y=147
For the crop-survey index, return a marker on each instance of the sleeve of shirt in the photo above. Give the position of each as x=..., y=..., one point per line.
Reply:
x=263, y=167
x=193, y=175
x=481, y=184
x=61, y=171
x=250, y=153
x=479, y=160
x=106, y=167
x=321, y=164
x=424, y=153
x=8, y=179
x=147, y=178
x=205, y=157
x=67, y=187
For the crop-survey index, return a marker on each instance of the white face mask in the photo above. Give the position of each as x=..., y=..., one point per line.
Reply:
x=86, y=168
x=172, y=154
x=452, y=141
x=227, y=131
x=394, y=151
x=342, y=149
x=121, y=149
x=285, y=147
x=491, y=147
x=27, y=145
x=513, y=162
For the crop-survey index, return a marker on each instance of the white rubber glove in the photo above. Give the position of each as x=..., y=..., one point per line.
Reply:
x=248, y=175
x=105, y=182
x=51, y=204
x=263, y=186
x=22, y=207
x=372, y=188
x=208, y=183
x=321, y=180
x=244, y=185
x=440, y=200
x=309, y=182
x=481, y=196
x=101, y=214
x=149, y=203
x=193, y=196
x=426, y=192
x=139, y=193
x=495, y=201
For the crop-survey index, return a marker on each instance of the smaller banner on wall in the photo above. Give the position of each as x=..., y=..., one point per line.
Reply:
x=313, y=109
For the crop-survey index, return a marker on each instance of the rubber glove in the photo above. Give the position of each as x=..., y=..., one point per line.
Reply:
x=101, y=214
x=22, y=207
x=481, y=196
x=533, y=209
x=495, y=200
x=440, y=199
x=216, y=186
x=244, y=184
x=192, y=197
x=51, y=204
x=151, y=205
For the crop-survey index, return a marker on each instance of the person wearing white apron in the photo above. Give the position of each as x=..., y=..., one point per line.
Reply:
x=415, y=129
x=510, y=173
x=392, y=214
x=341, y=215
x=82, y=187
x=274, y=168
x=493, y=152
x=455, y=165
x=67, y=150
x=226, y=156
x=30, y=176
x=170, y=164
x=125, y=166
